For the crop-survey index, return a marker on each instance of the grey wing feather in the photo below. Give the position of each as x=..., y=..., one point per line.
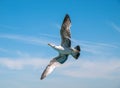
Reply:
x=65, y=32
x=52, y=65
x=62, y=59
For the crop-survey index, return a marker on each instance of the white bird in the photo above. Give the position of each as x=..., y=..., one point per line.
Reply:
x=64, y=49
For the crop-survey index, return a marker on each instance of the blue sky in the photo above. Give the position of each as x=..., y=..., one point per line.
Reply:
x=27, y=26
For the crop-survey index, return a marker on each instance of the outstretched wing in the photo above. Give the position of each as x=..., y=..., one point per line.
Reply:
x=52, y=65
x=65, y=32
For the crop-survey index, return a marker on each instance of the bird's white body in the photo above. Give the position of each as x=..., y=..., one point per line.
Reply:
x=62, y=50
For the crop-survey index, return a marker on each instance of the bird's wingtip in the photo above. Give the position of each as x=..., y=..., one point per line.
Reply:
x=42, y=78
x=67, y=17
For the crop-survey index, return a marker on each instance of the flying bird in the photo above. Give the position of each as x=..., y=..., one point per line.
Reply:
x=64, y=49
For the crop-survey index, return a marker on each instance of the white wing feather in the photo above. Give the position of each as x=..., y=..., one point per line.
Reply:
x=51, y=66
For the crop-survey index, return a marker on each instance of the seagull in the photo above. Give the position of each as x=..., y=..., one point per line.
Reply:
x=64, y=49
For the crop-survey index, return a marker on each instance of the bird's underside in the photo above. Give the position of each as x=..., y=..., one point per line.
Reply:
x=64, y=49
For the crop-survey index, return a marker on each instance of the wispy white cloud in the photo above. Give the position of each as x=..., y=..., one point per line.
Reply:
x=93, y=69
x=26, y=39
x=95, y=47
x=87, y=46
x=3, y=50
x=19, y=64
x=82, y=69
x=116, y=27
x=50, y=36
x=99, y=44
x=21, y=54
x=15, y=52
x=4, y=26
x=56, y=25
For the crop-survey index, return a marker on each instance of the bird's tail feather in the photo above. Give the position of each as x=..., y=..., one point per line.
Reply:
x=76, y=52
